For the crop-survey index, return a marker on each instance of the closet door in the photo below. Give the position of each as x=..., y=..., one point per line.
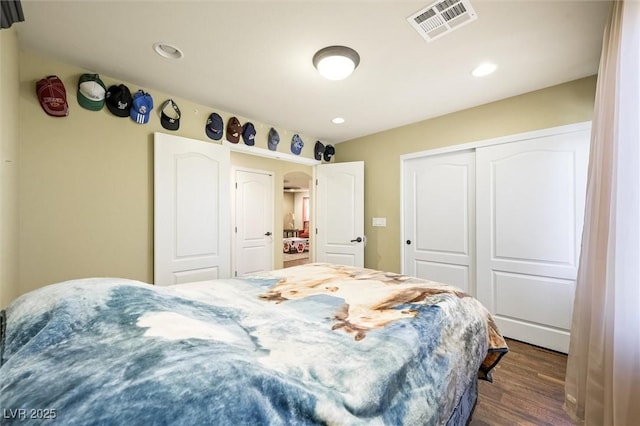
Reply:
x=529, y=210
x=439, y=218
x=192, y=238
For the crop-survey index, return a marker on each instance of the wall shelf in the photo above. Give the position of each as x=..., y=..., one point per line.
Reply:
x=263, y=152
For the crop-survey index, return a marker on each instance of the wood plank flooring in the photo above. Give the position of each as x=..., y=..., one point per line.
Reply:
x=289, y=263
x=527, y=389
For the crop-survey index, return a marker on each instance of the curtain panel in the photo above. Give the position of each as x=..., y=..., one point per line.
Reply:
x=10, y=12
x=602, y=385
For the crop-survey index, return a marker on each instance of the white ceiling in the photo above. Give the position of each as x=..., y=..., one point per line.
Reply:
x=253, y=58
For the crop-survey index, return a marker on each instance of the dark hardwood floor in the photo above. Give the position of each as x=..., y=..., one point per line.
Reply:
x=527, y=389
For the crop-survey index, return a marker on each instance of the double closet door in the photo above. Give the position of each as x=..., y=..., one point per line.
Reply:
x=503, y=221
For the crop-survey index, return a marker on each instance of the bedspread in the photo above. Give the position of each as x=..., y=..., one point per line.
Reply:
x=313, y=344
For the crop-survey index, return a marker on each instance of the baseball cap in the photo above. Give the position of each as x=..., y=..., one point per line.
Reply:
x=233, y=130
x=141, y=107
x=52, y=96
x=213, y=127
x=296, y=144
x=118, y=100
x=273, y=140
x=249, y=133
x=91, y=92
x=170, y=121
x=329, y=150
x=318, y=150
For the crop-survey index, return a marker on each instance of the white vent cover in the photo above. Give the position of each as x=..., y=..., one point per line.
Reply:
x=441, y=18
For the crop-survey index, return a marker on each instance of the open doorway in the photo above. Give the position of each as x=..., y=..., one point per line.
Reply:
x=296, y=211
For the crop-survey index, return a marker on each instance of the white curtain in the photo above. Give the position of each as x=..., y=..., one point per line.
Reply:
x=603, y=369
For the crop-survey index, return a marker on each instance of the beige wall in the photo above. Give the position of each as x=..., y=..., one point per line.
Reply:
x=9, y=85
x=86, y=181
x=563, y=104
x=288, y=205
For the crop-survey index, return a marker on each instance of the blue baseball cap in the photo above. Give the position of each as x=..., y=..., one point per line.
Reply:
x=249, y=133
x=296, y=144
x=141, y=107
x=274, y=139
x=214, y=126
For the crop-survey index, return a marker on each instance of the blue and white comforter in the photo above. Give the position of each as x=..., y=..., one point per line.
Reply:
x=315, y=344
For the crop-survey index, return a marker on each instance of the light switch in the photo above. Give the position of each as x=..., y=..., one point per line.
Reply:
x=379, y=221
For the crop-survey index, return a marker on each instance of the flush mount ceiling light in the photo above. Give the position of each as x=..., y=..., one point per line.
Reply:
x=336, y=62
x=167, y=51
x=337, y=120
x=483, y=69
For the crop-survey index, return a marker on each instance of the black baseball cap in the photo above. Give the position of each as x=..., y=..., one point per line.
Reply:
x=118, y=100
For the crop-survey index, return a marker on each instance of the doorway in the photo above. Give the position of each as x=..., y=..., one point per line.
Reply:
x=296, y=210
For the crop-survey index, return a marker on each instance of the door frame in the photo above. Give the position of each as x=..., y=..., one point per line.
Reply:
x=234, y=217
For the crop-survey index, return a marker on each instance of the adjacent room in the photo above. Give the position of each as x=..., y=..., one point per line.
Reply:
x=295, y=234
x=327, y=212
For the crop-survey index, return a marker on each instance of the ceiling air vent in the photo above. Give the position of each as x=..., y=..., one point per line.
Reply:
x=441, y=18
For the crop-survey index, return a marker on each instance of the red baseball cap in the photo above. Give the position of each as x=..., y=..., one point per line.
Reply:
x=52, y=96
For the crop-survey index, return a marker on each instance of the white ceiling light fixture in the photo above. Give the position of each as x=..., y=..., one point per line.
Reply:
x=484, y=69
x=337, y=120
x=336, y=62
x=167, y=51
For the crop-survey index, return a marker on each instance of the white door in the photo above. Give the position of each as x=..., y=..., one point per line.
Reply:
x=530, y=206
x=340, y=213
x=253, y=225
x=192, y=240
x=439, y=218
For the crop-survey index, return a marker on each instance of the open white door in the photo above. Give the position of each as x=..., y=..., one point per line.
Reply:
x=192, y=240
x=340, y=213
x=253, y=224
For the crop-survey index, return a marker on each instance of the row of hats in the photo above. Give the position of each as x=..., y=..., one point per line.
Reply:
x=323, y=152
x=94, y=95
x=215, y=125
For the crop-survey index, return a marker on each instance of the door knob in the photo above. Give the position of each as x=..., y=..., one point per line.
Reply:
x=357, y=240
x=408, y=242
x=267, y=233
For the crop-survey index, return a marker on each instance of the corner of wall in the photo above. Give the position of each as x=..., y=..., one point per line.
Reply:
x=9, y=106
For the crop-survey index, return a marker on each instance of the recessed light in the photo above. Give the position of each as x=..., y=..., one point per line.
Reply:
x=483, y=69
x=338, y=120
x=167, y=51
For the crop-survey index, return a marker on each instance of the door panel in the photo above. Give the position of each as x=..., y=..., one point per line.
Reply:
x=526, y=297
x=340, y=213
x=191, y=215
x=254, y=205
x=530, y=205
x=457, y=275
x=439, y=220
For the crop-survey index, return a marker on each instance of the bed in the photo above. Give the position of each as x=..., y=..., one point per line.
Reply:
x=295, y=245
x=311, y=344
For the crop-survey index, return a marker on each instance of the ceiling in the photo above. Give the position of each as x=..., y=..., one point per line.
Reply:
x=296, y=181
x=254, y=58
